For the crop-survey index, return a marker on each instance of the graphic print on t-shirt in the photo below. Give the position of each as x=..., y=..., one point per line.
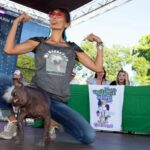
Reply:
x=56, y=62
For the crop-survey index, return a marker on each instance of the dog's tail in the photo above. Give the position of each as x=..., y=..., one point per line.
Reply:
x=7, y=95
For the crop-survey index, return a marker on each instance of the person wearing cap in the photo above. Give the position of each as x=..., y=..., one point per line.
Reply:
x=17, y=77
x=10, y=130
x=54, y=60
x=17, y=74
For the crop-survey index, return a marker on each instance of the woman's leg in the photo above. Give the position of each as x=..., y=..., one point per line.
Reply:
x=72, y=122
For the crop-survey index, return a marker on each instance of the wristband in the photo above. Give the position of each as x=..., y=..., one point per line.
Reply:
x=100, y=46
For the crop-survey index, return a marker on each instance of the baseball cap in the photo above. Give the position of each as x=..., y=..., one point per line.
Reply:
x=17, y=72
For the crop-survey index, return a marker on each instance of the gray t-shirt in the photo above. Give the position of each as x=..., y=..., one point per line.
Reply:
x=54, y=65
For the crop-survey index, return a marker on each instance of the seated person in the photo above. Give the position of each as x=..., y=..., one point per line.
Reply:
x=10, y=129
x=73, y=80
x=99, y=79
x=122, y=78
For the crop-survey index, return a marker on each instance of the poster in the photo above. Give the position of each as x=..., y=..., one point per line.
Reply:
x=106, y=107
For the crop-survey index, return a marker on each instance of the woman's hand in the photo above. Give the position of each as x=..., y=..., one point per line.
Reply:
x=97, y=64
x=91, y=37
x=23, y=18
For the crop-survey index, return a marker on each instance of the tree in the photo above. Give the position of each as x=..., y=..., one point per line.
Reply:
x=114, y=59
x=143, y=48
x=141, y=64
x=27, y=66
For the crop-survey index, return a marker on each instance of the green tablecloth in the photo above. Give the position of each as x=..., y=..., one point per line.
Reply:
x=136, y=109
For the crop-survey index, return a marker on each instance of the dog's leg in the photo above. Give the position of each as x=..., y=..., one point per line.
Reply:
x=45, y=132
x=20, y=131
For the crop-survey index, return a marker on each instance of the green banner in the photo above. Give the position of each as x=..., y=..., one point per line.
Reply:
x=136, y=109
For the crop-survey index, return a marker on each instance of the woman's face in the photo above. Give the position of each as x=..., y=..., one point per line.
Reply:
x=121, y=77
x=17, y=77
x=58, y=20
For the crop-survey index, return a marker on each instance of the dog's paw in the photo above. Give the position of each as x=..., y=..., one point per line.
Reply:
x=41, y=143
x=18, y=140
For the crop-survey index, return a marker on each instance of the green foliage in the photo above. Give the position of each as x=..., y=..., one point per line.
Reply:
x=143, y=48
x=89, y=48
x=118, y=56
x=141, y=64
x=27, y=66
x=114, y=58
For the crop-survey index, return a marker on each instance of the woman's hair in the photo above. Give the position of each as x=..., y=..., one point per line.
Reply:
x=121, y=71
x=104, y=76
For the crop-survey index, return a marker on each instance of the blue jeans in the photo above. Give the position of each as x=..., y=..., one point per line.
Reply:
x=73, y=122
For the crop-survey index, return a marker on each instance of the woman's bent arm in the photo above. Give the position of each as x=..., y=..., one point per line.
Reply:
x=11, y=47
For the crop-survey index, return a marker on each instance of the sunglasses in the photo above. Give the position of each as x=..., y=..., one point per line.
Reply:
x=57, y=14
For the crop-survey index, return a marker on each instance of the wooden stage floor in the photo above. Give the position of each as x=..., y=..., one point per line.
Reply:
x=104, y=141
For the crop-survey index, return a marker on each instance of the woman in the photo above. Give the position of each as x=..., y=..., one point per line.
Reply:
x=99, y=79
x=122, y=78
x=54, y=60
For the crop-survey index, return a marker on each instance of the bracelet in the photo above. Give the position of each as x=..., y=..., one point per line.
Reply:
x=100, y=46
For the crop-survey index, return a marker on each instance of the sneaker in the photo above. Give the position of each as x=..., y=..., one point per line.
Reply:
x=10, y=130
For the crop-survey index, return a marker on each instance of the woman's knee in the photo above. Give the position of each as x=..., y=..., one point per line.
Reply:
x=89, y=137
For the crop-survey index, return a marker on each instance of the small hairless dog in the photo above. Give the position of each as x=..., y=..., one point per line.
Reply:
x=33, y=103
